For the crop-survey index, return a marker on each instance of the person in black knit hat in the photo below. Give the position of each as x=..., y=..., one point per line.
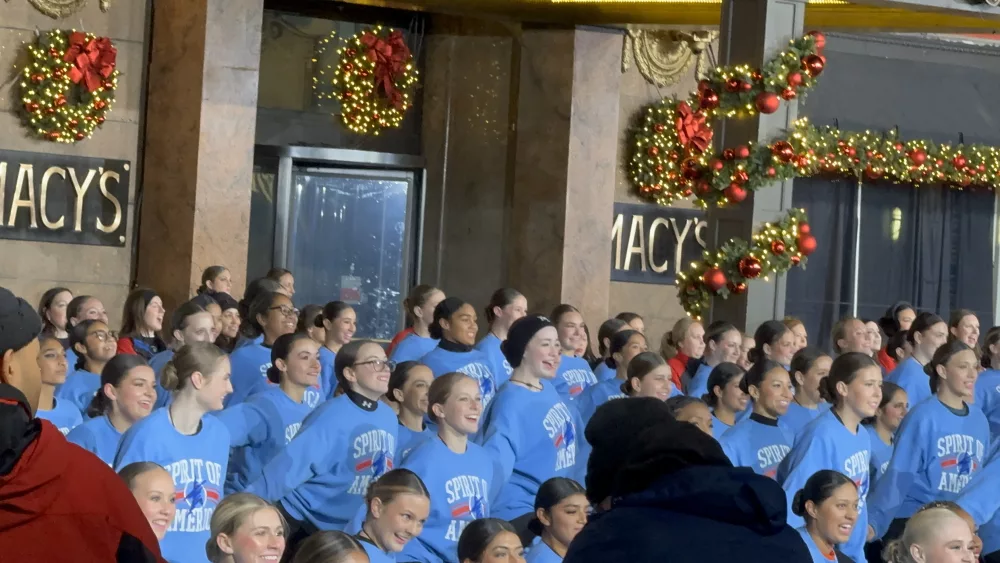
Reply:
x=674, y=496
x=49, y=488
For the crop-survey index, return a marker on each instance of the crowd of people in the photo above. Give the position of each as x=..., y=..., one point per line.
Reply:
x=249, y=430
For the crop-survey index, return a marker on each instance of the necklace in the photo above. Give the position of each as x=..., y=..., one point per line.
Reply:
x=531, y=386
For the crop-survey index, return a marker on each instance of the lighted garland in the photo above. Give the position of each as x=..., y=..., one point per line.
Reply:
x=323, y=80
x=774, y=249
x=68, y=86
x=375, y=80
x=672, y=155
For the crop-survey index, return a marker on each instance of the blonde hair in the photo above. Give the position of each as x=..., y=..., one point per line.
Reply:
x=233, y=512
x=919, y=529
x=669, y=346
x=200, y=357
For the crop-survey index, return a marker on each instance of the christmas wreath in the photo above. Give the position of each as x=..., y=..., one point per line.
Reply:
x=68, y=86
x=375, y=80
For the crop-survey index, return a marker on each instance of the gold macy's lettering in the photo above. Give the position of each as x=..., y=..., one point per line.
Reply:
x=26, y=207
x=642, y=242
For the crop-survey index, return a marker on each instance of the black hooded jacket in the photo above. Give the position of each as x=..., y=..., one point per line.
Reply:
x=695, y=515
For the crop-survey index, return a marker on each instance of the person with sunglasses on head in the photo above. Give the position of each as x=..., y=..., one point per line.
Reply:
x=320, y=478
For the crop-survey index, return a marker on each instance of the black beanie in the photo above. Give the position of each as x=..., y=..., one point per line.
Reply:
x=225, y=301
x=444, y=310
x=19, y=323
x=613, y=433
x=663, y=449
x=518, y=336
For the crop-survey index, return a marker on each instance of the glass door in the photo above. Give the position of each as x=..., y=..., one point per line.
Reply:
x=348, y=238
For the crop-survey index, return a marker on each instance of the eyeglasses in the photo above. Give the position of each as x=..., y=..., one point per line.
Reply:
x=285, y=310
x=102, y=335
x=379, y=365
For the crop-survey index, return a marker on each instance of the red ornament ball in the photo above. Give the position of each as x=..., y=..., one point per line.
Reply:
x=659, y=168
x=654, y=150
x=717, y=165
x=350, y=52
x=734, y=85
x=738, y=288
x=691, y=169
x=756, y=75
x=708, y=100
x=778, y=246
x=819, y=39
x=100, y=104
x=767, y=102
x=704, y=187
x=714, y=279
x=771, y=172
x=813, y=65
x=742, y=151
x=783, y=150
x=54, y=135
x=735, y=193
x=37, y=78
x=80, y=136
x=659, y=127
x=794, y=79
x=749, y=267
x=60, y=101
x=100, y=119
x=804, y=228
x=704, y=85
x=741, y=177
x=32, y=107
x=728, y=154
x=795, y=260
x=959, y=161
x=807, y=244
x=746, y=86
x=788, y=93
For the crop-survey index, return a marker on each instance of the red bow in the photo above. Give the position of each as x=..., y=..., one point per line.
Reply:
x=390, y=58
x=692, y=130
x=93, y=60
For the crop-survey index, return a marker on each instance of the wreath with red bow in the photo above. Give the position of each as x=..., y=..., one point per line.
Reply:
x=68, y=86
x=375, y=80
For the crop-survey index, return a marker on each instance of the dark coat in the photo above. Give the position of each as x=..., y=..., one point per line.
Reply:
x=695, y=515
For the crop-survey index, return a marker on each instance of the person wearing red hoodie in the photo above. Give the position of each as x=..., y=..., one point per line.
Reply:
x=58, y=502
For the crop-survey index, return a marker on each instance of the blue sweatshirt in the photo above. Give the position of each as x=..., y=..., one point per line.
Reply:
x=604, y=372
x=535, y=436
x=988, y=399
x=542, y=553
x=79, y=389
x=573, y=377
x=597, y=395
x=97, y=436
x=980, y=499
x=376, y=555
x=64, y=415
x=249, y=374
x=163, y=397
x=817, y=555
x=881, y=454
x=322, y=475
x=460, y=486
x=327, y=380
x=759, y=443
x=828, y=444
x=444, y=359
x=260, y=427
x=198, y=466
x=698, y=386
x=937, y=453
x=490, y=345
x=798, y=416
x=408, y=439
x=910, y=375
x=412, y=348
x=718, y=428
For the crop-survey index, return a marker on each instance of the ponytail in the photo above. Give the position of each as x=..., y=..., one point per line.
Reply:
x=199, y=357
x=113, y=374
x=671, y=343
x=769, y=332
x=844, y=370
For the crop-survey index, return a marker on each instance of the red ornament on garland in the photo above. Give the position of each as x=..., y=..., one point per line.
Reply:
x=653, y=150
x=767, y=102
x=741, y=177
x=717, y=164
x=749, y=267
x=714, y=279
x=778, y=246
x=733, y=85
x=771, y=172
x=60, y=101
x=742, y=151
x=746, y=86
x=794, y=79
x=795, y=260
x=737, y=288
x=704, y=85
x=659, y=127
x=783, y=150
x=813, y=65
x=704, y=187
x=959, y=161
x=735, y=193
x=819, y=38
x=691, y=169
x=804, y=228
x=788, y=94
x=728, y=154
x=708, y=100
x=756, y=75
x=807, y=244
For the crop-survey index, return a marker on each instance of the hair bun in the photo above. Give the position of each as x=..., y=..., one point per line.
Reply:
x=799, y=505
x=755, y=355
x=274, y=374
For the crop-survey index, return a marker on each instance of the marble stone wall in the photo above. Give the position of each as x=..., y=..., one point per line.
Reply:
x=466, y=141
x=204, y=62
x=657, y=304
x=29, y=268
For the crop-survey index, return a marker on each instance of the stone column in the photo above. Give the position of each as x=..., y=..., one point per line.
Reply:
x=564, y=168
x=752, y=31
x=200, y=124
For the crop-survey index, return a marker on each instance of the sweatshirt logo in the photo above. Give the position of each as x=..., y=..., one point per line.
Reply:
x=196, y=495
x=474, y=507
x=769, y=457
x=466, y=498
x=959, y=457
x=380, y=462
x=558, y=423
x=578, y=380
x=372, y=455
x=482, y=374
x=963, y=463
x=197, y=491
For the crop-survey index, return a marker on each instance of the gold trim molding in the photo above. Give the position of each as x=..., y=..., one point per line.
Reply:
x=59, y=9
x=664, y=56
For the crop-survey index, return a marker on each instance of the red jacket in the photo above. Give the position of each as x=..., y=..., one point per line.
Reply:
x=678, y=365
x=59, y=502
